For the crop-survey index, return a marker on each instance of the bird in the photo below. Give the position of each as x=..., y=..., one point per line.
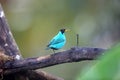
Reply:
x=58, y=41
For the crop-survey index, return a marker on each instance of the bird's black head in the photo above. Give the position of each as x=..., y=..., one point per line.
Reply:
x=62, y=30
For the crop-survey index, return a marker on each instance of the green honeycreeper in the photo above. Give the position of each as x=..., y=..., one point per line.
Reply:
x=58, y=41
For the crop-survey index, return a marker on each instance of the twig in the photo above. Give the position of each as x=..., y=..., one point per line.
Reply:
x=77, y=35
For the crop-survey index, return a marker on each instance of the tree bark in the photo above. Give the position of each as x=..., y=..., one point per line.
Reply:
x=7, y=42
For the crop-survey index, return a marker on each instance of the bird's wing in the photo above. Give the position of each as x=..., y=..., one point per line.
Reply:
x=55, y=41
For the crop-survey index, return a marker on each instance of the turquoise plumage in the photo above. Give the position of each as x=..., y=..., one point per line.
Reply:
x=58, y=41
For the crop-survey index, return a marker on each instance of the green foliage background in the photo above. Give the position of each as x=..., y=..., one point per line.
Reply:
x=108, y=68
x=35, y=22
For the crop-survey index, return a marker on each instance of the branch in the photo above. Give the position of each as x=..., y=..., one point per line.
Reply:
x=75, y=54
x=7, y=42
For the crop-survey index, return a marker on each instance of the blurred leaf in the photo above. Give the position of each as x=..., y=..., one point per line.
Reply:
x=107, y=69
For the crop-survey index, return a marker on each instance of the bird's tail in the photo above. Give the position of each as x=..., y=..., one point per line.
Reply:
x=47, y=47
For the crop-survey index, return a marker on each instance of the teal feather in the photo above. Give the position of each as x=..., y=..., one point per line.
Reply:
x=58, y=41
